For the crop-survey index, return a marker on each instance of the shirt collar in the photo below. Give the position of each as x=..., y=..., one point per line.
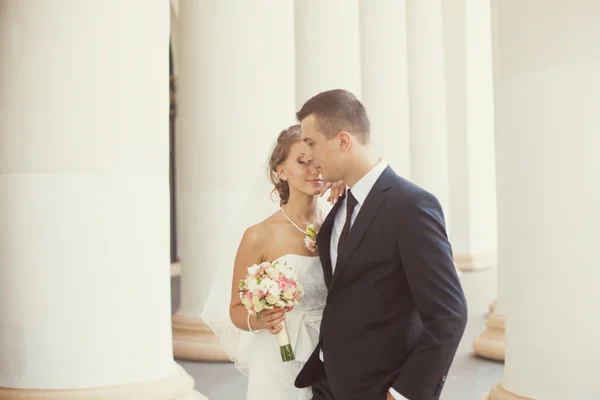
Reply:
x=361, y=189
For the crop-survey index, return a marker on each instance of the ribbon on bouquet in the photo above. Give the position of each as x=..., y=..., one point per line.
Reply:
x=303, y=328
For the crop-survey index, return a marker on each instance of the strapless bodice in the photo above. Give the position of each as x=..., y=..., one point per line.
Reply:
x=310, y=275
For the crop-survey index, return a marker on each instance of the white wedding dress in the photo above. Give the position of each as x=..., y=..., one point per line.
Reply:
x=269, y=378
x=257, y=354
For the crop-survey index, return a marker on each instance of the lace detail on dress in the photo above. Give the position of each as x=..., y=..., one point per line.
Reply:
x=310, y=273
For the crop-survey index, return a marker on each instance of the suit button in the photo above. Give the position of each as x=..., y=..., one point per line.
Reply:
x=329, y=306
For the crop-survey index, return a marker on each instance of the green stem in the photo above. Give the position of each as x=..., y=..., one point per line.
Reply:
x=287, y=354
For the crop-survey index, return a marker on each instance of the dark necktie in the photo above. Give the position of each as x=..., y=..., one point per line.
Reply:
x=350, y=204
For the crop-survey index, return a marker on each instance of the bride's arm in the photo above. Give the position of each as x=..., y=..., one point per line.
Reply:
x=250, y=252
x=336, y=190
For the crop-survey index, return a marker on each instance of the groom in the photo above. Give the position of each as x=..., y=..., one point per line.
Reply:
x=395, y=309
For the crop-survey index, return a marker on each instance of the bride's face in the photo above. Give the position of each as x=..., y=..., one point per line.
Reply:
x=299, y=170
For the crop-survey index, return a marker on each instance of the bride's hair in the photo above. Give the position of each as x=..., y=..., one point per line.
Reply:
x=286, y=139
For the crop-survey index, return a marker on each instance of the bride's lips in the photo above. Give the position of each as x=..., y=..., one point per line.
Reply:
x=316, y=181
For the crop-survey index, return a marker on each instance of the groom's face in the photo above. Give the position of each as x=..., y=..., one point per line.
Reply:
x=322, y=149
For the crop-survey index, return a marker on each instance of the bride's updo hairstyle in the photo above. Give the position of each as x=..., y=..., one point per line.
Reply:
x=286, y=139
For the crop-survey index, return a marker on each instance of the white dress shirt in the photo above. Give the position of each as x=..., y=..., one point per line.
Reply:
x=360, y=191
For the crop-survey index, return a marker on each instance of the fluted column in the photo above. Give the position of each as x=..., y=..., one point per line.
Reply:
x=84, y=204
x=428, y=124
x=468, y=40
x=384, y=72
x=327, y=47
x=547, y=93
x=235, y=93
x=469, y=84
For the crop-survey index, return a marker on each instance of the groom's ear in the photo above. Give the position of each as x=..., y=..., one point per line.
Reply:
x=345, y=141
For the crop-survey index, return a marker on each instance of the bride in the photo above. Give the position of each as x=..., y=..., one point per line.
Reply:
x=280, y=237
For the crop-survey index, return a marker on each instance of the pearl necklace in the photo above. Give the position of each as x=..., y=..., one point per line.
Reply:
x=292, y=222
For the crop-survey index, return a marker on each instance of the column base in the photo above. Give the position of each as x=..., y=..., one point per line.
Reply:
x=499, y=393
x=491, y=343
x=177, y=386
x=492, y=306
x=475, y=262
x=194, y=340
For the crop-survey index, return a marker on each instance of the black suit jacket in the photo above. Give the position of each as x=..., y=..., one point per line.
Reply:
x=395, y=309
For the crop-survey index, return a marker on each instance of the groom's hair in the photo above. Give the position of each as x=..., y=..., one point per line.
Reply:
x=336, y=111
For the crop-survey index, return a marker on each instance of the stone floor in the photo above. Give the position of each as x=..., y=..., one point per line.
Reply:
x=469, y=378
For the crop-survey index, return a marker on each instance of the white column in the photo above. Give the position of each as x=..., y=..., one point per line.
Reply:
x=327, y=47
x=235, y=94
x=547, y=95
x=84, y=205
x=469, y=84
x=384, y=71
x=429, y=134
x=468, y=38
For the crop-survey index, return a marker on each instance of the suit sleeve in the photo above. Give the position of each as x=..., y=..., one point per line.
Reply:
x=426, y=257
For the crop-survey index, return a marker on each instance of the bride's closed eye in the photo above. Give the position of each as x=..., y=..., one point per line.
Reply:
x=304, y=161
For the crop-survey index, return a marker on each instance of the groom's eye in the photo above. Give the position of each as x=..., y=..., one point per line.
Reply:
x=309, y=142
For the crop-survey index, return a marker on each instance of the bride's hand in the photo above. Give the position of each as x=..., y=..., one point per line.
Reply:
x=337, y=190
x=271, y=320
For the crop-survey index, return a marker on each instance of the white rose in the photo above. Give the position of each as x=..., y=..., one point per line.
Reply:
x=289, y=272
x=251, y=284
x=273, y=273
x=253, y=270
x=275, y=290
x=271, y=299
x=246, y=302
x=266, y=284
x=288, y=294
x=258, y=304
x=307, y=241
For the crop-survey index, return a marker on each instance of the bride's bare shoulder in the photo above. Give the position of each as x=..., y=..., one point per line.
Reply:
x=262, y=232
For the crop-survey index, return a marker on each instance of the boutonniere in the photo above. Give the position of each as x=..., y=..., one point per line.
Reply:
x=310, y=240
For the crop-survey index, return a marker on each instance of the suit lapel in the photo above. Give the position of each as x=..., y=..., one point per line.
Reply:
x=324, y=241
x=366, y=214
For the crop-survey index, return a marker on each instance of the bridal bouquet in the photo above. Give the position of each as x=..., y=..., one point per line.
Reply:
x=269, y=285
